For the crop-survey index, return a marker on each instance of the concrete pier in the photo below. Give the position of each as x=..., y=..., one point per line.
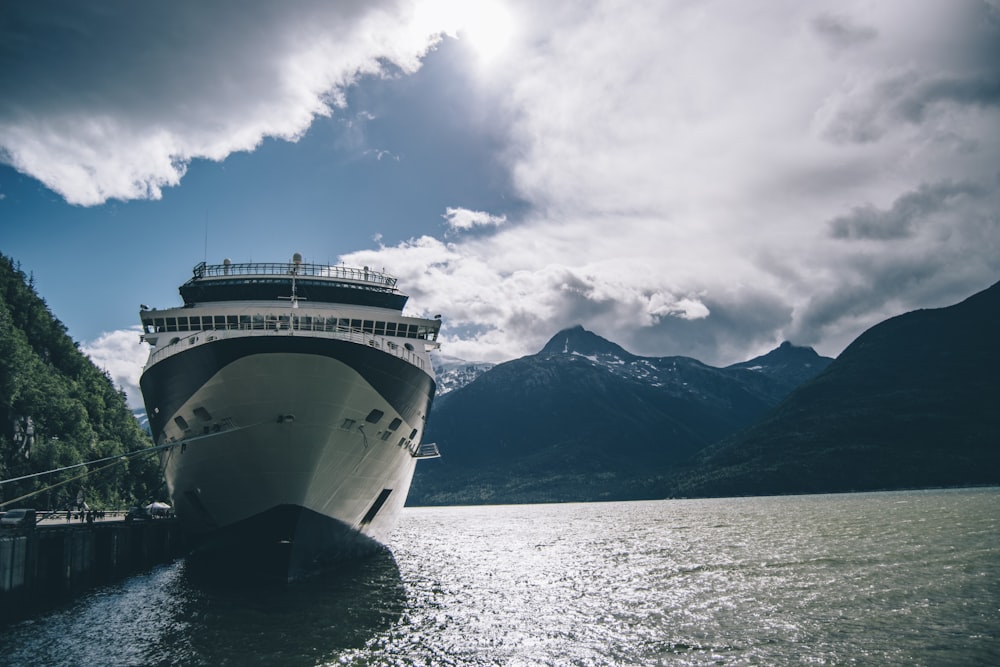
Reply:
x=43, y=565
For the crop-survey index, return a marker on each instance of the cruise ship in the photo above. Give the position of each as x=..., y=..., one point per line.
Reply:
x=289, y=400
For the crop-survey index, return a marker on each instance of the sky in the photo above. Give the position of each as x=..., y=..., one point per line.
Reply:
x=704, y=178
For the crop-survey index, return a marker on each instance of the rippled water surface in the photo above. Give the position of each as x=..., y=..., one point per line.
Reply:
x=885, y=578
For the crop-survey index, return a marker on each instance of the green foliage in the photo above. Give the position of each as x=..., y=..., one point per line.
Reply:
x=76, y=414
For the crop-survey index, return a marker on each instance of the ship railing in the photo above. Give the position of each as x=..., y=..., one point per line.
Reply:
x=184, y=341
x=337, y=272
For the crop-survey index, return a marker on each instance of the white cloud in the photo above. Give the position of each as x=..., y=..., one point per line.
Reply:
x=464, y=219
x=699, y=178
x=122, y=356
x=113, y=100
x=685, y=163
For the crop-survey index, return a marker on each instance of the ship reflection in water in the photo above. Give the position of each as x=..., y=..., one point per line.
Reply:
x=176, y=615
x=305, y=622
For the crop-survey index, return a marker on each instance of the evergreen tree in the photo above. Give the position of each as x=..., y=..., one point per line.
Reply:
x=57, y=409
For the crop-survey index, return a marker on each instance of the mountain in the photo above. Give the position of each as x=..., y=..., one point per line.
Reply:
x=584, y=420
x=912, y=402
x=788, y=364
x=452, y=373
x=143, y=420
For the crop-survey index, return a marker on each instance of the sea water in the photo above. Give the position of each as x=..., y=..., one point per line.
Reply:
x=901, y=578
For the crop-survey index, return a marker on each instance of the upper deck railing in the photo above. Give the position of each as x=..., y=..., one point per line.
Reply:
x=298, y=269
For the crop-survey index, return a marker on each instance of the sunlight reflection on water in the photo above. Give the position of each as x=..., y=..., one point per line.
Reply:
x=889, y=578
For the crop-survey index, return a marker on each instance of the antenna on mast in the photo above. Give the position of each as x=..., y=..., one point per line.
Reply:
x=294, y=271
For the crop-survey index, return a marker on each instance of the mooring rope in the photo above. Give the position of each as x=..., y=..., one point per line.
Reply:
x=115, y=460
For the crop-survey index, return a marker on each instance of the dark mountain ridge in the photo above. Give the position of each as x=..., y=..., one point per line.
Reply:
x=789, y=364
x=912, y=402
x=584, y=419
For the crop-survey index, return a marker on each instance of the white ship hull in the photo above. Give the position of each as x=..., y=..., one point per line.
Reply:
x=279, y=453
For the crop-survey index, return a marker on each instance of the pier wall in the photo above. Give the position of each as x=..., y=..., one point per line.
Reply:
x=50, y=564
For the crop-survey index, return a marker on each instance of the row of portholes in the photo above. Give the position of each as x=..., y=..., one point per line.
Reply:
x=199, y=412
x=374, y=417
x=194, y=339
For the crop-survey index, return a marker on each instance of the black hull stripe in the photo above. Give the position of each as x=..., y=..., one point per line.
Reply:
x=281, y=544
x=170, y=383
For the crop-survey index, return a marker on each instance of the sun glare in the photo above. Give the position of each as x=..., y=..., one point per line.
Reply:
x=486, y=27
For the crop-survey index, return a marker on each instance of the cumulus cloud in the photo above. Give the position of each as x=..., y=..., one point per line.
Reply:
x=701, y=178
x=122, y=356
x=869, y=222
x=109, y=100
x=693, y=172
x=931, y=67
x=464, y=219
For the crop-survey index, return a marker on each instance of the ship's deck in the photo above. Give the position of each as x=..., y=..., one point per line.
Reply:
x=253, y=281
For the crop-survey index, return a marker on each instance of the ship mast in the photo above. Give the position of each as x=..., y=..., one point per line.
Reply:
x=294, y=298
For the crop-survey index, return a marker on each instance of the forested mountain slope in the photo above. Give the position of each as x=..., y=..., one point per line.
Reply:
x=57, y=409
